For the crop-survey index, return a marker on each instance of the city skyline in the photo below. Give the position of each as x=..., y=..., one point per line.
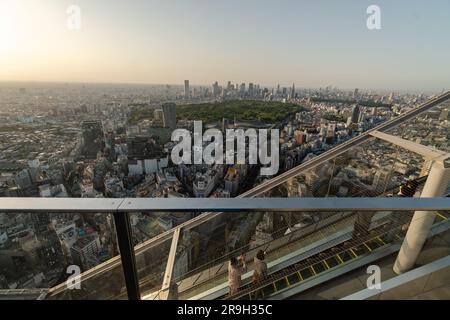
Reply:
x=17, y=84
x=311, y=45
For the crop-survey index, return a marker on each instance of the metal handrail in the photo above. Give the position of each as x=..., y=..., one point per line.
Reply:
x=89, y=205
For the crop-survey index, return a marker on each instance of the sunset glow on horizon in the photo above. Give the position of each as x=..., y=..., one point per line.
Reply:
x=311, y=43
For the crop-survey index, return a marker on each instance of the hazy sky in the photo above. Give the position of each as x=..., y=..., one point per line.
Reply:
x=312, y=43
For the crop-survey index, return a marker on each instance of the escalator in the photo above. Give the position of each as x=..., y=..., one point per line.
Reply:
x=330, y=260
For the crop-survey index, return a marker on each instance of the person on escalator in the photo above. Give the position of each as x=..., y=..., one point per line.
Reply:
x=260, y=271
x=260, y=267
x=236, y=268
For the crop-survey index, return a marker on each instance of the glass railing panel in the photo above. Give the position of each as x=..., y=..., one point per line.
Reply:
x=431, y=128
x=105, y=282
x=282, y=235
x=380, y=233
x=276, y=233
x=196, y=244
x=202, y=254
x=47, y=250
x=374, y=168
x=151, y=265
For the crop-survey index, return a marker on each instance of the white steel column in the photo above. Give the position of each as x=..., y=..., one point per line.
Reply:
x=422, y=221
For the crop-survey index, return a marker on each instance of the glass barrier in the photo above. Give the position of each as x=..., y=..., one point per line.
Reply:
x=373, y=169
x=203, y=253
x=379, y=234
x=431, y=128
x=47, y=250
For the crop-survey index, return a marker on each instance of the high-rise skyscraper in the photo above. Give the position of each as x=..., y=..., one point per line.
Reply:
x=170, y=115
x=187, y=92
x=93, y=138
x=85, y=249
x=293, y=91
x=242, y=89
x=250, y=90
x=331, y=129
x=216, y=89
x=391, y=97
x=361, y=115
x=355, y=114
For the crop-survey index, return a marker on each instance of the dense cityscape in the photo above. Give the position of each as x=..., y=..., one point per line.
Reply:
x=114, y=141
